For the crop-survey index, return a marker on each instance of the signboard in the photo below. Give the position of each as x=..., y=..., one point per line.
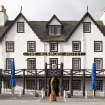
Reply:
x=54, y=53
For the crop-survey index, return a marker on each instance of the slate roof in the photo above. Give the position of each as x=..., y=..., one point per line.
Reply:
x=3, y=29
x=40, y=28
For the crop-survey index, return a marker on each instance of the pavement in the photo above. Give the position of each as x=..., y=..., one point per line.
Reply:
x=31, y=100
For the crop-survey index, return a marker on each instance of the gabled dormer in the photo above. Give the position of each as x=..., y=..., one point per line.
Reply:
x=54, y=26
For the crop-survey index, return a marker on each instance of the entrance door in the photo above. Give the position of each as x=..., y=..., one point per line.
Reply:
x=56, y=88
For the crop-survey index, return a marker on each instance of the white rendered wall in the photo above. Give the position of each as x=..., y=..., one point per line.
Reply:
x=95, y=35
x=54, y=22
x=20, y=40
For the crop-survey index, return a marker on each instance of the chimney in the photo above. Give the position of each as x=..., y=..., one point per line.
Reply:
x=102, y=18
x=3, y=16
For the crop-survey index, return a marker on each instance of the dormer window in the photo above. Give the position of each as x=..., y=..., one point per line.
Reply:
x=87, y=27
x=54, y=26
x=54, y=30
x=20, y=27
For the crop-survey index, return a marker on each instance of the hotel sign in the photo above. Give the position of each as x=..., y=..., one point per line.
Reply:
x=55, y=72
x=54, y=53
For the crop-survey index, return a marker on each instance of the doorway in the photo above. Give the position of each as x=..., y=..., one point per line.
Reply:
x=57, y=87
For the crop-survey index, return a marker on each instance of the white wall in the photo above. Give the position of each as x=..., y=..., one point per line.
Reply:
x=95, y=35
x=54, y=22
x=87, y=46
x=20, y=40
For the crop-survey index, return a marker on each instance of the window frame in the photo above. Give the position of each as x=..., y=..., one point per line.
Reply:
x=53, y=31
x=28, y=65
x=79, y=59
x=79, y=88
x=41, y=83
x=79, y=42
x=23, y=28
x=28, y=48
x=66, y=84
x=96, y=64
x=51, y=47
x=98, y=87
x=101, y=45
x=30, y=83
x=7, y=66
x=84, y=31
x=13, y=44
x=7, y=83
x=53, y=63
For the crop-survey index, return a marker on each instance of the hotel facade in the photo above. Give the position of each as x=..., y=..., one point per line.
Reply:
x=55, y=48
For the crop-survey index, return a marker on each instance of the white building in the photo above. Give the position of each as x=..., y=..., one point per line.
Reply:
x=42, y=49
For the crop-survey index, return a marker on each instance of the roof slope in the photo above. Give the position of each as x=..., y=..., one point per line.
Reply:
x=40, y=28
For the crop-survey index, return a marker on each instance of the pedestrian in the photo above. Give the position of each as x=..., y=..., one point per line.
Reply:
x=64, y=95
x=42, y=93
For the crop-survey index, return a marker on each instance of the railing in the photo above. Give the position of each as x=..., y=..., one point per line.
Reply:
x=40, y=72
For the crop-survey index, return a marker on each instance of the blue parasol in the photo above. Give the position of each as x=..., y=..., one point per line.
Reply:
x=13, y=77
x=93, y=77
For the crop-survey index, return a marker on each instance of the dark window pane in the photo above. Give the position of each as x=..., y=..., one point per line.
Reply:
x=76, y=85
x=31, y=63
x=66, y=84
x=20, y=27
x=9, y=46
x=99, y=85
x=41, y=83
x=7, y=84
x=99, y=63
x=31, y=46
x=98, y=46
x=55, y=30
x=30, y=84
x=86, y=27
x=76, y=46
x=76, y=63
x=53, y=46
x=9, y=62
x=53, y=63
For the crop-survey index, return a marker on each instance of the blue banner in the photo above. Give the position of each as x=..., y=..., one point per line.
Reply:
x=93, y=77
x=13, y=78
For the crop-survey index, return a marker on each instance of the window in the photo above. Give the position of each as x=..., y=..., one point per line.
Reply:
x=53, y=47
x=98, y=46
x=20, y=27
x=9, y=46
x=9, y=62
x=99, y=63
x=76, y=63
x=31, y=46
x=86, y=27
x=30, y=83
x=54, y=30
x=31, y=63
x=66, y=84
x=7, y=84
x=76, y=46
x=41, y=83
x=53, y=63
x=99, y=85
x=76, y=85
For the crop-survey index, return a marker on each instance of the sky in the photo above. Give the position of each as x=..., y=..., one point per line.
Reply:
x=45, y=9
